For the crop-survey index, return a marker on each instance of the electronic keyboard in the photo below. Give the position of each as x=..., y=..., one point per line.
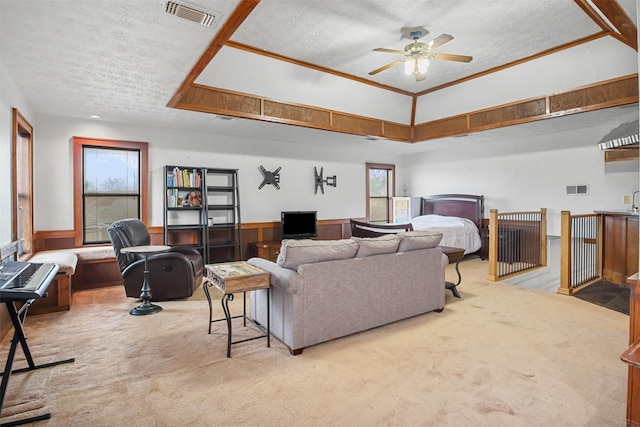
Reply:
x=25, y=280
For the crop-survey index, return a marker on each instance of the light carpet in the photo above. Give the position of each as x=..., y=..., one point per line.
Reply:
x=500, y=355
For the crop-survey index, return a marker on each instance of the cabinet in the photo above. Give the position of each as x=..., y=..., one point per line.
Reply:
x=222, y=213
x=620, y=247
x=184, y=214
x=202, y=211
x=268, y=250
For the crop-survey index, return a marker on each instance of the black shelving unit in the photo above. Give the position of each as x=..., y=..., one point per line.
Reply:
x=185, y=224
x=222, y=213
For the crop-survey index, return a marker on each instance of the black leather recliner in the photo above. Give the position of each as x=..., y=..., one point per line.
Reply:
x=172, y=275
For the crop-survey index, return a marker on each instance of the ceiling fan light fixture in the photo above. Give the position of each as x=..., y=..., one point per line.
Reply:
x=416, y=65
x=422, y=64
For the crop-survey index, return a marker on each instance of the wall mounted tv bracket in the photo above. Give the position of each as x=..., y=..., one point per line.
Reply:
x=330, y=181
x=272, y=178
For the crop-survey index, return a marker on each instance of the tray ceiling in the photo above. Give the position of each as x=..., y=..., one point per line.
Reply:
x=125, y=60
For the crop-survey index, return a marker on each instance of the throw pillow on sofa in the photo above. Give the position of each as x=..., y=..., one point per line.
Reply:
x=294, y=253
x=368, y=246
x=413, y=240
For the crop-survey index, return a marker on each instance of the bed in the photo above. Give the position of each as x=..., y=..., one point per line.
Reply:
x=459, y=217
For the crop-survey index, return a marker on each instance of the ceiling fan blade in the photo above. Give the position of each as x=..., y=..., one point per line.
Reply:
x=439, y=41
x=450, y=57
x=386, y=67
x=420, y=76
x=382, y=49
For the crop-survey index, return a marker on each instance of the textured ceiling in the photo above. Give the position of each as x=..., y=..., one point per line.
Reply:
x=340, y=35
x=124, y=60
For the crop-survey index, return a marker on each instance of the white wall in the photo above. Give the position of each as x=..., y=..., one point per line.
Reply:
x=527, y=173
x=10, y=97
x=53, y=185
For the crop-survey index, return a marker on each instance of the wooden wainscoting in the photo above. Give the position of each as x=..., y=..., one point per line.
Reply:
x=329, y=229
x=100, y=273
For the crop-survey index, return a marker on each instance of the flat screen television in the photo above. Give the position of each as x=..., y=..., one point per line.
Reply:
x=298, y=224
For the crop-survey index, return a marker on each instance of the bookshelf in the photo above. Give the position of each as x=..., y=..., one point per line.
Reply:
x=224, y=231
x=184, y=213
x=202, y=211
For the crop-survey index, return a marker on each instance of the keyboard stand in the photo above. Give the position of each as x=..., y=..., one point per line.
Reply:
x=17, y=319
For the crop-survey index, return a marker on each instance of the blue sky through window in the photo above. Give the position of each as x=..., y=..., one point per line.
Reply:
x=109, y=170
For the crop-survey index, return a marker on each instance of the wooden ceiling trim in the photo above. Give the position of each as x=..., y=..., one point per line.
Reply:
x=296, y=113
x=397, y=131
x=309, y=65
x=449, y=126
x=241, y=12
x=619, y=18
x=516, y=62
x=356, y=125
x=509, y=114
x=611, y=93
x=224, y=102
x=230, y=103
x=601, y=95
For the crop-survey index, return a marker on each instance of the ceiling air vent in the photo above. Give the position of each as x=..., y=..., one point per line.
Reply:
x=190, y=13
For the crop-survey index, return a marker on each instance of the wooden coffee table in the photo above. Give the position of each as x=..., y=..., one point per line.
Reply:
x=455, y=255
x=233, y=277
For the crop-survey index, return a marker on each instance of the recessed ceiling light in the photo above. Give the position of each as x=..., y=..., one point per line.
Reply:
x=227, y=118
x=95, y=116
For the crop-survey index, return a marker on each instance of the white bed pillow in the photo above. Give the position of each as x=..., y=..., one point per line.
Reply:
x=413, y=240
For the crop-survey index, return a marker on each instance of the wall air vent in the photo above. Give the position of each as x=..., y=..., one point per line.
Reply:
x=577, y=190
x=190, y=13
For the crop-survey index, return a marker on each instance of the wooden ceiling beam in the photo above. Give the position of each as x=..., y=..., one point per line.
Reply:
x=242, y=11
x=624, y=28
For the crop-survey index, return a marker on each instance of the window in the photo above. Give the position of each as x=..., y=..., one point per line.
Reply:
x=22, y=159
x=380, y=190
x=110, y=183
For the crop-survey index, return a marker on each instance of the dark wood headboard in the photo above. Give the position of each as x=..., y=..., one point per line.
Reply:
x=460, y=205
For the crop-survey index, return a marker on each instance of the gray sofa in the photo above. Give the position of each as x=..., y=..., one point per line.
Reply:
x=326, y=289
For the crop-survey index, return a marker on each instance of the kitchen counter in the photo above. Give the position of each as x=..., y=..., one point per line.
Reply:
x=618, y=212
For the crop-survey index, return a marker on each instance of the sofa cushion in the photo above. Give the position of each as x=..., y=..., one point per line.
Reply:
x=368, y=246
x=412, y=240
x=294, y=253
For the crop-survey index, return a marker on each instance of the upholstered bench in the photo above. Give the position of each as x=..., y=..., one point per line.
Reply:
x=97, y=268
x=75, y=266
x=59, y=291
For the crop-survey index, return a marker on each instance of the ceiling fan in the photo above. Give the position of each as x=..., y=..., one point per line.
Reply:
x=417, y=55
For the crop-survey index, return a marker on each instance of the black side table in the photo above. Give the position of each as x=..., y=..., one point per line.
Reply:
x=145, y=293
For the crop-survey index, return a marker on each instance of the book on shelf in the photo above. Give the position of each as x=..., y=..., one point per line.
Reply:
x=183, y=178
